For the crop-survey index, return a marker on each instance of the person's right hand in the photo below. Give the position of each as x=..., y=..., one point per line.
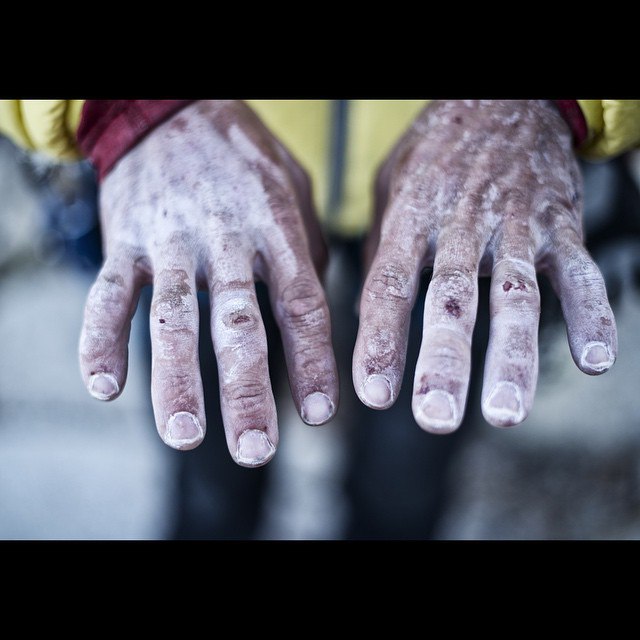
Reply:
x=211, y=200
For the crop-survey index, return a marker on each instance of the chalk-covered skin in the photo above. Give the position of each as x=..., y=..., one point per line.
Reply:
x=211, y=200
x=477, y=187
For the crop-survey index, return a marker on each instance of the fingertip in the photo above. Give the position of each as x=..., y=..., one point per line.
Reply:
x=436, y=412
x=596, y=358
x=377, y=392
x=254, y=449
x=103, y=386
x=317, y=409
x=183, y=431
x=503, y=406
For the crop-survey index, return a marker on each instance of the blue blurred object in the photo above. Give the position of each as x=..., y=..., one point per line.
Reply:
x=71, y=231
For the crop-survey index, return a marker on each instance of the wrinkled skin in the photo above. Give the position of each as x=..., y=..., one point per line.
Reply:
x=477, y=188
x=211, y=200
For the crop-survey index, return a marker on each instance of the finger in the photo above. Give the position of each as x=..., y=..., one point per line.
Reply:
x=104, y=337
x=443, y=368
x=176, y=386
x=240, y=344
x=387, y=299
x=511, y=364
x=301, y=312
x=591, y=326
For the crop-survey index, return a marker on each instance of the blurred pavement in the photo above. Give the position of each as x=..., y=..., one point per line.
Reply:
x=71, y=467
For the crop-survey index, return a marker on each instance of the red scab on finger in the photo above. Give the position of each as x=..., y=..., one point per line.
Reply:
x=452, y=307
x=519, y=286
x=243, y=317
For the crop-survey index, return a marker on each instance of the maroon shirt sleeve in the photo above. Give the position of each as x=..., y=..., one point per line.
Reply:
x=573, y=116
x=109, y=128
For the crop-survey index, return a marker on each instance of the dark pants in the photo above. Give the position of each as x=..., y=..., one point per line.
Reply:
x=396, y=481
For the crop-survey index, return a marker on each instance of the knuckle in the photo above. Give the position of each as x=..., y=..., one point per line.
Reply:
x=108, y=291
x=174, y=301
x=244, y=318
x=177, y=385
x=389, y=282
x=518, y=285
x=247, y=396
x=237, y=330
x=448, y=350
x=517, y=292
x=178, y=317
x=313, y=360
x=448, y=353
x=303, y=303
x=515, y=198
x=515, y=284
x=583, y=273
x=456, y=284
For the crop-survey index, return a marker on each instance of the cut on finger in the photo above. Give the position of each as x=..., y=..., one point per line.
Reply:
x=511, y=365
x=240, y=345
x=176, y=385
x=443, y=368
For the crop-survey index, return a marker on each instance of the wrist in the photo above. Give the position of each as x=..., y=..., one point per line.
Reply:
x=110, y=128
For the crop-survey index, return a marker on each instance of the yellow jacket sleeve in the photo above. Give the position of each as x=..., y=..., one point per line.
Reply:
x=614, y=127
x=47, y=126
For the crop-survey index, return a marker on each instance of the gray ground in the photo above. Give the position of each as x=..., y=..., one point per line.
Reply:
x=74, y=468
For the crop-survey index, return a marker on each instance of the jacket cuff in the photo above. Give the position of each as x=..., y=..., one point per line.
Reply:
x=572, y=113
x=110, y=128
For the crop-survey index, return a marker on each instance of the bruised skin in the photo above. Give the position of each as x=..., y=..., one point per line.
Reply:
x=477, y=188
x=210, y=200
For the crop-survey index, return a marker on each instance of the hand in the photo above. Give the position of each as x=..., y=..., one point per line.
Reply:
x=211, y=200
x=477, y=188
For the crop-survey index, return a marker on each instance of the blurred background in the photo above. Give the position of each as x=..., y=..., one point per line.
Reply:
x=74, y=468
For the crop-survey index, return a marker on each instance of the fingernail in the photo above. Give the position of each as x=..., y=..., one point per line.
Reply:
x=316, y=408
x=377, y=390
x=183, y=429
x=254, y=448
x=504, y=404
x=103, y=386
x=439, y=411
x=597, y=357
